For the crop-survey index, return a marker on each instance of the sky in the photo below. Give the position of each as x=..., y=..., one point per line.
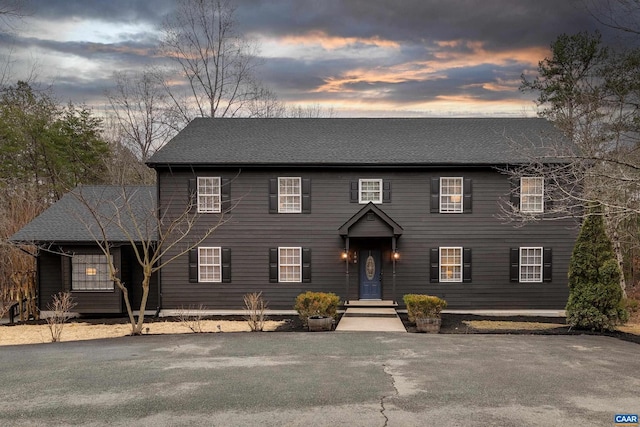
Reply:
x=359, y=58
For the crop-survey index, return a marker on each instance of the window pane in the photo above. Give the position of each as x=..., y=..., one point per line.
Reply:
x=531, y=194
x=289, y=195
x=370, y=190
x=290, y=264
x=208, y=194
x=531, y=264
x=209, y=266
x=90, y=272
x=451, y=264
x=450, y=194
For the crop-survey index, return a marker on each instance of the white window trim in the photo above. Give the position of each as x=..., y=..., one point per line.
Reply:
x=360, y=181
x=520, y=264
x=109, y=284
x=217, y=262
x=541, y=195
x=440, y=195
x=444, y=278
x=299, y=195
x=217, y=202
x=280, y=264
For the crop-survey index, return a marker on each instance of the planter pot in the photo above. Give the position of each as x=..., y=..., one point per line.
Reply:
x=320, y=323
x=430, y=325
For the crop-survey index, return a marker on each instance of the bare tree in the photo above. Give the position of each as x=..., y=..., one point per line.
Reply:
x=156, y=238
x=139, y=104
x=623, y=15
x=592, y=94
x=216, y=61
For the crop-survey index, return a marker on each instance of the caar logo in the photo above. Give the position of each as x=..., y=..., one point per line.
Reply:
x=626, y=419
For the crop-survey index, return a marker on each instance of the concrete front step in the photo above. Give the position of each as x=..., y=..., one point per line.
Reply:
x=375, y=319
x=370, y=303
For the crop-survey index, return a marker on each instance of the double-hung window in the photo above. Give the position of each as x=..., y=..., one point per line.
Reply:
x=208, y=194
x=289, y=264
x=289, y=195
x=370, y=190
x=209, y=264
x=530, y=264
x=532, y=194
x=450, y=264
x=450, y=195
x=90, y=272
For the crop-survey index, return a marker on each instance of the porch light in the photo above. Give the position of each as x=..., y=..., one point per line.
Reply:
x=91, y=271
x=345, y=255
x=396, y=255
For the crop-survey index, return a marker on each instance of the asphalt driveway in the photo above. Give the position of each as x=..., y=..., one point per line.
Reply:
x=322, y=379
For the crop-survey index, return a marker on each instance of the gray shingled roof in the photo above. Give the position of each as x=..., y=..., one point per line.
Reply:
x=69, y=219
x=358, y=141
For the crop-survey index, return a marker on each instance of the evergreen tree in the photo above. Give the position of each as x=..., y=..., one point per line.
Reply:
x=595, y=296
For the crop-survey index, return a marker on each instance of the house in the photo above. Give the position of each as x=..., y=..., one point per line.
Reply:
x=370, y=209
x=68, y=258
x=365, y=208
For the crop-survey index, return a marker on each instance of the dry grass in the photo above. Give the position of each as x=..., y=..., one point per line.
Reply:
x=495, y=325
x=77, y=331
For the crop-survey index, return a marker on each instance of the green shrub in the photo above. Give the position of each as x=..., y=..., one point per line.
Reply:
x=419, y=306
x=316, y=304
x=595, y=296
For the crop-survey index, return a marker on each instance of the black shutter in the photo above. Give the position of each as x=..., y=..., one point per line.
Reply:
x=225, y=194
x=226, y=265
x=435, y=195
x=467, y=196
x=515, y=193
x=546, y=264
x=192, y=193
x=306, y=195
x=273, y=265
x=466, y=264
x=547, y=196
x=386, y=191
x=306, y=265
x=273, y=195
x=353, y=192
x=514, y=263
x=435, y=265
x=193, y=265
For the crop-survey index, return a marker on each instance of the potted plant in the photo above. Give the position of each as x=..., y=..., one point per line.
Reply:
x=424, y=311
x=317, y=310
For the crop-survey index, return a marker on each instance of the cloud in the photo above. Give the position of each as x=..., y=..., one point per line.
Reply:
x=367, y=55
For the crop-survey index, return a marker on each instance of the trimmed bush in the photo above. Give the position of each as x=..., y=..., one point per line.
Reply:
x=316, y=304
x=595, y=296
x=422, y=306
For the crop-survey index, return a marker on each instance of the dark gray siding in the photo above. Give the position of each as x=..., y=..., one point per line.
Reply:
x=55, y=276
x=251, y=230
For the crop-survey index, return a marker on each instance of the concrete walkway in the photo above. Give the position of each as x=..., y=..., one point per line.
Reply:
x=375, y=319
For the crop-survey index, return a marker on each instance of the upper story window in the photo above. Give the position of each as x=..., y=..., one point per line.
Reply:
x=370, y=190
x=532, y=194
x=450, y=195
x=530, y=264
x=209, y=264
x=90, y=272
x=209, y=194
x=451, y=264
x=289, y=195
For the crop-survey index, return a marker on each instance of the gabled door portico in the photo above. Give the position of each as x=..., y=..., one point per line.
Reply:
x=368, y=236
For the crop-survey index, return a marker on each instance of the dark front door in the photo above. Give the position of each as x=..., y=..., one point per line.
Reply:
x=370, y=277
